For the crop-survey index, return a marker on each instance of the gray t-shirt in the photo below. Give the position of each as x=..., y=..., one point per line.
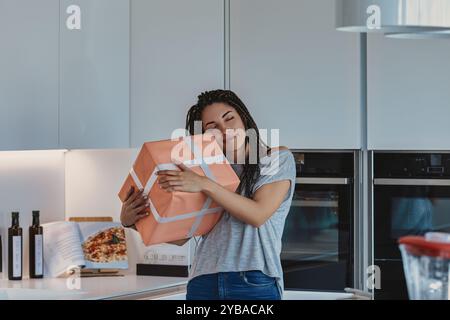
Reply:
x=233, y=245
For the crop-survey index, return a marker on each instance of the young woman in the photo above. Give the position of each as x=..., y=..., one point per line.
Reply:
x=240, y=257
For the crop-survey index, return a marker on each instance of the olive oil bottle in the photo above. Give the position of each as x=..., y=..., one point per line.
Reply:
x=15, y=249
x=36, y=248
x=1, y=257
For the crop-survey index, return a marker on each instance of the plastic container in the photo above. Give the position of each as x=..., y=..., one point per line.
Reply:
x=426, y=263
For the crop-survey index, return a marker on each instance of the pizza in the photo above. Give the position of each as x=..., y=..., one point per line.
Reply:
x=106, y=246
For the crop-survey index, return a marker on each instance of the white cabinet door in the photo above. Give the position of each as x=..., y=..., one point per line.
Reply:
x=94, y=87
x=296, y=73
x=408, y=94
x=177, y=51
x=28, y=74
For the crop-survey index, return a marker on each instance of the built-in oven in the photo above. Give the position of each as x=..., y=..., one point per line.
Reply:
x=411, y=197
x=317, y=243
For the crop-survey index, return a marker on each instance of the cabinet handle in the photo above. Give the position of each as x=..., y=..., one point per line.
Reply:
x=412, y=182
x=335, y=181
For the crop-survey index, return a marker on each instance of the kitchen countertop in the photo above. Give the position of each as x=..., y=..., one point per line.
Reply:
x=122, y=288
x=125, y=287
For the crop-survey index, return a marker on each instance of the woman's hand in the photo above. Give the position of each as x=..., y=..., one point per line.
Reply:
x=185, y=180
x=134, y=208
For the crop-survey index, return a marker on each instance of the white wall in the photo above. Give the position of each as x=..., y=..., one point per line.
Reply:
x=30, y=180
x=93, y=180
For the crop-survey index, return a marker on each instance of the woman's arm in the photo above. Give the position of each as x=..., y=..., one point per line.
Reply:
x=255, y=211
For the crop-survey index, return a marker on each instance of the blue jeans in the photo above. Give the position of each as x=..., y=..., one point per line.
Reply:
x=244, y=285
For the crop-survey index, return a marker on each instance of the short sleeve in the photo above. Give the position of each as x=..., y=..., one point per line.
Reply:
x=279, y=166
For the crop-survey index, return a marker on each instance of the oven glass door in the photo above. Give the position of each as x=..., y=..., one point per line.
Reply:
x=401, y=210
x=317, y=240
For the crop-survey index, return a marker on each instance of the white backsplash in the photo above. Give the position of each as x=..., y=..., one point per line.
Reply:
x=30, y=180
x=93, y=180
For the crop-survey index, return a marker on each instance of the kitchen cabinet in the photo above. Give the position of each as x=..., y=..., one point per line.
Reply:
x=296, y=73
x=94, y=75
x=61, y=87
x=29, y=74
x=408, y=94
x=177, y=51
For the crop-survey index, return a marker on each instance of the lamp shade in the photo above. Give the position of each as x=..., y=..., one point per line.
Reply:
x=393, y=16
x=420, y=35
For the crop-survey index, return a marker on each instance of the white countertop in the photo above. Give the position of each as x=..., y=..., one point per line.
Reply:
x=126, y=287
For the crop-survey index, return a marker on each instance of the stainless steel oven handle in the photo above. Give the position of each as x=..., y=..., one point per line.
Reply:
x=412, y=182
x=335, y=181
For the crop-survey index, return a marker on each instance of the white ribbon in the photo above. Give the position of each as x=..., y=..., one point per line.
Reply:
x=198, y=155
x=197, y=161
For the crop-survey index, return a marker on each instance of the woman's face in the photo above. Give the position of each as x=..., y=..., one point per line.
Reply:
x=223, y=118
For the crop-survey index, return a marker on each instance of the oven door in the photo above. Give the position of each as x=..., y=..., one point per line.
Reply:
x=405, y=207
x=317, y=251
x=408, y=207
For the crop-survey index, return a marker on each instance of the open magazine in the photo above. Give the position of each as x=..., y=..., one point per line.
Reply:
x=69, y=246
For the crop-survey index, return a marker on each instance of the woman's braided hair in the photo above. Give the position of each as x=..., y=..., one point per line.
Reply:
x=251, y=171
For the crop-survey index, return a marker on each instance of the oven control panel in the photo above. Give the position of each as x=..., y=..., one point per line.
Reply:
x=409, y=165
